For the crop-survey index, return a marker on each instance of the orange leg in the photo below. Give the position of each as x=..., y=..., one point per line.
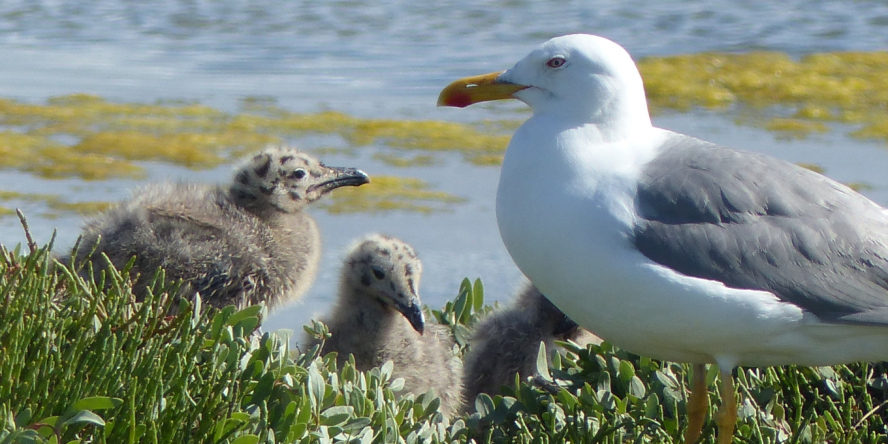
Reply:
x=727, y=413
x=698, y=403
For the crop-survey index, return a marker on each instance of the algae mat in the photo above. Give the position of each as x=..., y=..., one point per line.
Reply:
x=89, y=138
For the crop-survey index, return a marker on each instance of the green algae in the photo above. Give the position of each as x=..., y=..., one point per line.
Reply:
x=52, y=160
x=859, y=186
x=812, y=166
x=115, y=134
x=63, y=162
x=56, y=206
x=187, y=149
x=475, y=142
x=405, y=161
x=383, y=193
x=197, y=136
x=85, y=208
x=856, y=186
x=87, y=137
x=846, y=87
x=429, y=135
x=16, y=148
x=388, y=193
x=794, y=128
x=28, y=197
x=875, y=130
x=335, y=151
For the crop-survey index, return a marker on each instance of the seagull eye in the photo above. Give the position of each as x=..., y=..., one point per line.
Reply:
x=378, y=273
x=298, y=174
x=556, y=62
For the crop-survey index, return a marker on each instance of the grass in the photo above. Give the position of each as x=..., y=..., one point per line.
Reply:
x=84, y=362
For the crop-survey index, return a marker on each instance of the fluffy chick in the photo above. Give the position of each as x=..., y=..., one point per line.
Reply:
x=507, y=342
x=242, y=243
x=378, y=318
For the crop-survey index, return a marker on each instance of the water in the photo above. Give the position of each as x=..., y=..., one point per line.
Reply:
x=390, y=59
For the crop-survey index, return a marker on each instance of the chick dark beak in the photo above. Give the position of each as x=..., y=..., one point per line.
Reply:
x=341, y=177
x=413, y=312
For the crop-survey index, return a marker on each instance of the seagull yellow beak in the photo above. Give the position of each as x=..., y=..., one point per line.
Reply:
x=469, y=90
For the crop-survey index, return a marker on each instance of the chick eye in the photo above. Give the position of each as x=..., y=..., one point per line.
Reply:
x=556, y=62
x=298, y=174
x=378, y=273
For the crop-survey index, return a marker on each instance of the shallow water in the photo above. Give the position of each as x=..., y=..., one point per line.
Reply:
x=389, y=59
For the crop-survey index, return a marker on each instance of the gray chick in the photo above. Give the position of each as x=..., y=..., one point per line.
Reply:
x=508, y=342
x=378, y=318
x=242, y=243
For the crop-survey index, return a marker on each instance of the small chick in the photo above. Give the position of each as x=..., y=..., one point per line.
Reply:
x=378, y=318
x=242, y=243
x=508, y=342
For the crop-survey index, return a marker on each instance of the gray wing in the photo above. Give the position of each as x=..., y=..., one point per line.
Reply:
x=755, y=222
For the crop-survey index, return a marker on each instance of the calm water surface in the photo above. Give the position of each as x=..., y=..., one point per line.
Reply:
x=389, y=59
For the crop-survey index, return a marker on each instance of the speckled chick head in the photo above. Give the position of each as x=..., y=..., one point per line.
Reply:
x=545, y=314
x=387, y=270
x=285, y=180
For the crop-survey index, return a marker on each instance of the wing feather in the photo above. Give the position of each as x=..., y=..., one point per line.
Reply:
x=755, y=222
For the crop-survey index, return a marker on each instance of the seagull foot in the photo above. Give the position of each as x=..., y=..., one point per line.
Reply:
x=727, y=413
x=698, y=403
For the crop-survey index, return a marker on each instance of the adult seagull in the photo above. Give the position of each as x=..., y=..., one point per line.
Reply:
x=673, y=247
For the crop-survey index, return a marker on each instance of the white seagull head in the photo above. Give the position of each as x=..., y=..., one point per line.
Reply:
x=579, y=78
x=579, y=75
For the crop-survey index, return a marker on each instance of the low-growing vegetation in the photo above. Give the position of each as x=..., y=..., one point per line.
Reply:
x=83, y=361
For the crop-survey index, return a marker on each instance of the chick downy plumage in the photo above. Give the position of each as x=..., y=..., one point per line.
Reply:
x=507, y=342
x=242, y=243
x=378, y=318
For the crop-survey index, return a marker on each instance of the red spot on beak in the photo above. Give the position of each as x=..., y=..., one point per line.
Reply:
x=460, y=100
